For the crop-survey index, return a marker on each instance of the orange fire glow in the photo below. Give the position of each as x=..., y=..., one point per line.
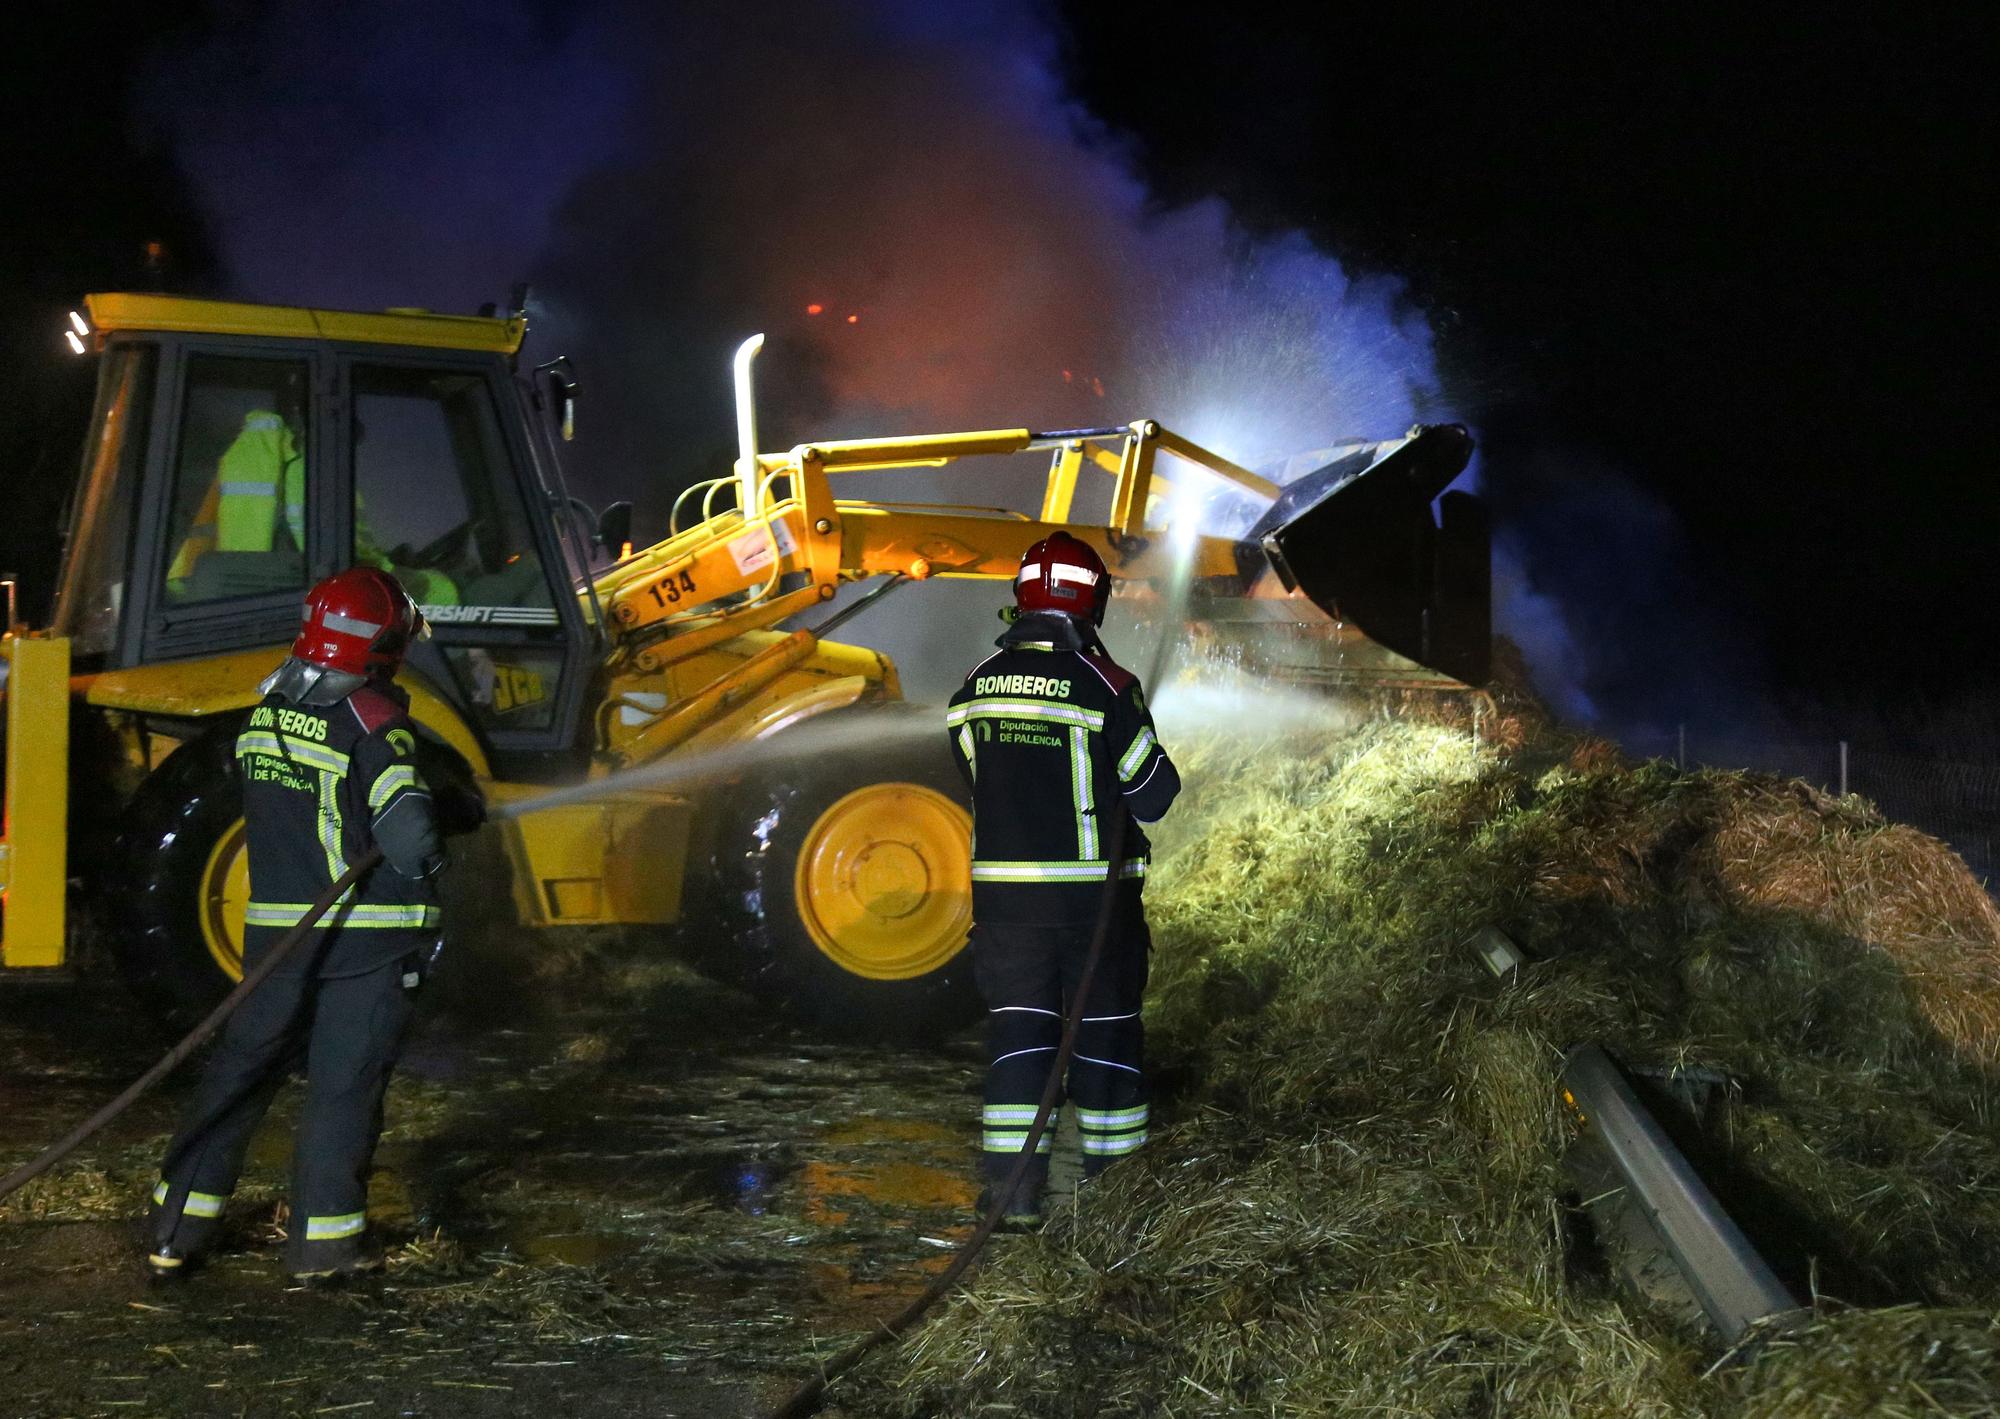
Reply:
x=853, y=320
x=815, y=308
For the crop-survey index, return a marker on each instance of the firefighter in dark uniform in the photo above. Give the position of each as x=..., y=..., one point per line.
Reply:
x=1055, y=740
x=329, y=771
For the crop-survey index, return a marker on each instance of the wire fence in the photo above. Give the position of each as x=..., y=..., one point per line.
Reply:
x=1955, y=799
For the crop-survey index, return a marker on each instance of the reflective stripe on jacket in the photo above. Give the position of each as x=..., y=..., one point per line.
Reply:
x=317, y=781
x=1054, y=738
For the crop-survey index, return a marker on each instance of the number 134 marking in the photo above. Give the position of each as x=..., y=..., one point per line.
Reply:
x=672, y=589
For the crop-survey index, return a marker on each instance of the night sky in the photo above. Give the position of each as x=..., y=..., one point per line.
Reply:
x=1716, y=294
x=1733, y=266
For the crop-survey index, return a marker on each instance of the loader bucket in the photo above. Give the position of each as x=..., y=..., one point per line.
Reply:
x=1359, y=538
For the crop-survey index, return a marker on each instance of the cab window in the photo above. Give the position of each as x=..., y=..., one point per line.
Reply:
x=437, y=504
x=435, y=500
x=237, y=513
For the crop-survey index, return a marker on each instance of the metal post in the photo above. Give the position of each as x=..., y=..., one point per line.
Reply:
x=1843, y=768
x=1733, y=1283
x=1681, y=750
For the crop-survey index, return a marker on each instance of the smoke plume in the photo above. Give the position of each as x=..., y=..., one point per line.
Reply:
x=931, y=232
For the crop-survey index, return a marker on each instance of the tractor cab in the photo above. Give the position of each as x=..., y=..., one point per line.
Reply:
x=239, y=453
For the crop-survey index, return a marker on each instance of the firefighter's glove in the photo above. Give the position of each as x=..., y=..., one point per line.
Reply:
x=461, y=807
x=407, y=833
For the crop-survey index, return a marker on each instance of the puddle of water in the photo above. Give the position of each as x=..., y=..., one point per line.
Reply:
x=898, y=1164
x=721, y=1196
x=890, y=1184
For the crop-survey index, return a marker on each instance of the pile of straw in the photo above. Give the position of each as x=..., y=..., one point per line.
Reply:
x=1358, y=1205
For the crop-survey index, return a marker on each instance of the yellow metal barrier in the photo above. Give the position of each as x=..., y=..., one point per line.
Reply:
x=34, y=844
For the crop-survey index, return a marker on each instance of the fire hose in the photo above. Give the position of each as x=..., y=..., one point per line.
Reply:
x=172, y=1059
x=805, y=1399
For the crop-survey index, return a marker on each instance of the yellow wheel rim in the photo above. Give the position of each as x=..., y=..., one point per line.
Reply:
x=884, y=881
x=223, y=894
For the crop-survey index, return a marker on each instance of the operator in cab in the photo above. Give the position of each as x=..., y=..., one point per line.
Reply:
x=248, y=533
x=1057, y=744
x=329, y=773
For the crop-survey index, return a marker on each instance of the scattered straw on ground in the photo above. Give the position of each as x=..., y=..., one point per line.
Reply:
x=1360, y=1208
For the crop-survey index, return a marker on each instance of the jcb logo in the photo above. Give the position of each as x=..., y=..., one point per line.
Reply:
x=515, y=688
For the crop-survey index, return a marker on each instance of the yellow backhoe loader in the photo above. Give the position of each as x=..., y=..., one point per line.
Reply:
x=240, y=452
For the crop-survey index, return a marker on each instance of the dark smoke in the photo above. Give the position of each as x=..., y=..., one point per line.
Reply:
x=674, y=178
x=1655, y=629
x=378, y=154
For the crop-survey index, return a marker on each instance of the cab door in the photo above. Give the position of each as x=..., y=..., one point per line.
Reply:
x=443, y=497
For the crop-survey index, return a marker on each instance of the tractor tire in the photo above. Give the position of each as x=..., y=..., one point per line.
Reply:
x=178, y=879
x=845, y=893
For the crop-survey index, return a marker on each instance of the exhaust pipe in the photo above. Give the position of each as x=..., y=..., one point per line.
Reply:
x=746, y=426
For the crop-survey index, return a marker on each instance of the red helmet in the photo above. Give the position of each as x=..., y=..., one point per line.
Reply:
x=359, y=621
x=1061, y=573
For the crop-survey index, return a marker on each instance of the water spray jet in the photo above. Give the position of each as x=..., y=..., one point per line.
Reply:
x=845, y=732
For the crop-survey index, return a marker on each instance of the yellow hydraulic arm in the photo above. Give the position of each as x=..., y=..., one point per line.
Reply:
x=783, y=542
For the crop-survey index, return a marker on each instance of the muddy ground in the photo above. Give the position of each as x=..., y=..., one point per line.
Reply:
x=645, y=1196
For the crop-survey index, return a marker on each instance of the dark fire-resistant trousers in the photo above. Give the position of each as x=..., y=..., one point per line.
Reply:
x=1028, y=977
x=346, y=1032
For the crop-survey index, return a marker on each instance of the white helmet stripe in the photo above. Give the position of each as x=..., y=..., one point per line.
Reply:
x=1062, y=571
x=347, y=625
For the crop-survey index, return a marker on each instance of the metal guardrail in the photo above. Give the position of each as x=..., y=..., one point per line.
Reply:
x=1734, y=1285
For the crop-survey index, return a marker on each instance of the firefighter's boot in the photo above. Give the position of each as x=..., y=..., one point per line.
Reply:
x=325, y=1262
x=181, y=1226
x=1024, y=1206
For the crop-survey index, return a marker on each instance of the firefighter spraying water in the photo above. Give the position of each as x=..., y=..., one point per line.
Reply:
x=330, y=775
x=1055, y=741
